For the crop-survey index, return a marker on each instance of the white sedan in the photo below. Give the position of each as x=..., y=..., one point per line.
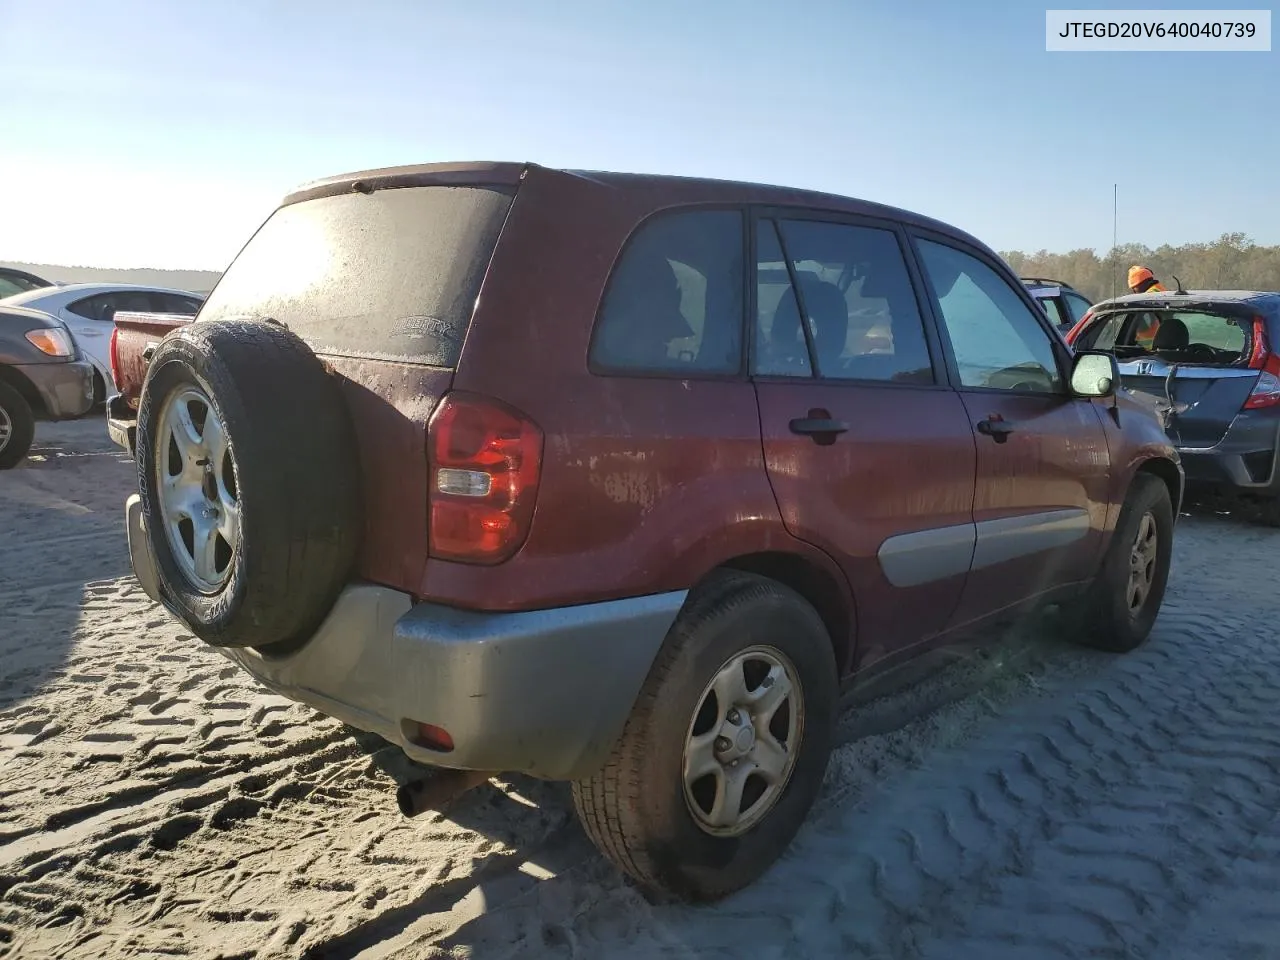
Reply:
x=89, y=309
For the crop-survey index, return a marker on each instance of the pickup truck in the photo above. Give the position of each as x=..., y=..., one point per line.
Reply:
x=507, y=466
x=134, y=339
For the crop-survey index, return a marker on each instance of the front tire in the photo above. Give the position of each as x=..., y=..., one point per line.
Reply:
x=726, y=746
x=1118, y=611
x=17, y=427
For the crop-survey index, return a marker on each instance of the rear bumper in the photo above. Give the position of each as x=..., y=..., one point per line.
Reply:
x=1244, y=459
x=544, y=693
x=122, y=424
x=65, y=389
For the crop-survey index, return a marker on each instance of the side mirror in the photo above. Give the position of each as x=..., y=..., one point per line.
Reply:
x=1094, y=374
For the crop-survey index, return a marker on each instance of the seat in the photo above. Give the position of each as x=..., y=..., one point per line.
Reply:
x=829, y=323
x=1171, y=337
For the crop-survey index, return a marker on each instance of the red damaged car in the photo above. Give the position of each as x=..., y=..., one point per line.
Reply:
x=625, y=480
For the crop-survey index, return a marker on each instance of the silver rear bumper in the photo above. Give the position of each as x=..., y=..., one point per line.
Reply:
x=542, y=692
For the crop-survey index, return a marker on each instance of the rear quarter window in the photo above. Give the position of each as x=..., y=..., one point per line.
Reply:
x=389, y=275
x=674, y=303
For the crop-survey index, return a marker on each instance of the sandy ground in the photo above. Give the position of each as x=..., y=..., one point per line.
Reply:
x=1033, y=802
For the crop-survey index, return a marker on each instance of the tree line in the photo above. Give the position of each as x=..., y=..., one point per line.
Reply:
x=1232, y=262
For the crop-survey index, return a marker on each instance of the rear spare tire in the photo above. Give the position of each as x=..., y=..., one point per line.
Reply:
x=249, y=478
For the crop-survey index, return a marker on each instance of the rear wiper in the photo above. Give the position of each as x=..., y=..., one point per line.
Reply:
x=1175, y=408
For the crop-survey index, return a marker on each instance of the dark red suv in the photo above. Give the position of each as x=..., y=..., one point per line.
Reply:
x=624, y=479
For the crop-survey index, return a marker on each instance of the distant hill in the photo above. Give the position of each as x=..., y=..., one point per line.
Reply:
x=196, y=281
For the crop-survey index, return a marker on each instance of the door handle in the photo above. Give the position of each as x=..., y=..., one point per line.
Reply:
x=823, y=429
x=996, y=428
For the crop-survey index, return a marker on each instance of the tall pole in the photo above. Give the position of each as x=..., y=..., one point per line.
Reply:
x=1115, y=219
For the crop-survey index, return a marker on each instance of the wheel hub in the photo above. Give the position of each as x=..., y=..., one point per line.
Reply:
x=199, y=495
x=737, y=738
x=743, y=741
x=1142, y=564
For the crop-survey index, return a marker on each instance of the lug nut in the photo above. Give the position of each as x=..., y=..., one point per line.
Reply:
x=723, y=744
x=734, y=716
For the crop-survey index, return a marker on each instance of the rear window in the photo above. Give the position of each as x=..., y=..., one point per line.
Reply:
x=1184, y=337
x=389, y=275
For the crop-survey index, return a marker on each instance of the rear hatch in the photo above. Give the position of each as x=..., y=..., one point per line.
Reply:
x=379, y=274
x=1202, y=357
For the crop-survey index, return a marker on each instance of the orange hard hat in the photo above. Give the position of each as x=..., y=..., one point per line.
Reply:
x=1138, y=274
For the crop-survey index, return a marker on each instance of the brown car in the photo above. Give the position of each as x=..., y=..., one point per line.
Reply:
x=540, y=471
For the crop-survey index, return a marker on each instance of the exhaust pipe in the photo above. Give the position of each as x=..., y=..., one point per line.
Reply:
x=438, y=791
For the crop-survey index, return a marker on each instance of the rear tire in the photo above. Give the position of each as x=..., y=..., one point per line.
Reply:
x=17, y=427
x=1119, y=609
x=650, y=812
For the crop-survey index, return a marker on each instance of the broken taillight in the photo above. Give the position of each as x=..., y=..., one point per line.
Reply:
x=485, y=461
x=1079, y=326
x=1266, y=392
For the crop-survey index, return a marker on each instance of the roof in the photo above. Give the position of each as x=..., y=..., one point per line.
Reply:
x=665, y=189
x=1252, y=297
x=71, y=290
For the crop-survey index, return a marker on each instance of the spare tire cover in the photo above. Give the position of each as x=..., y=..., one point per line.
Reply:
x=248, y=470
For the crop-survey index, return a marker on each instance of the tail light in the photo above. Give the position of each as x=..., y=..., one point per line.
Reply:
x=1266, y=392
x=485, y=463
x=1080, y=325
x=113, y=356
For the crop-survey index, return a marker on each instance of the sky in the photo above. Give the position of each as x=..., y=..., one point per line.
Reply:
x=154, y=133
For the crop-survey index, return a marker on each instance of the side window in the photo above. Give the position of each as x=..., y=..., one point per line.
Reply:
x=90, y=307
x=132, y=301
x=1077, y=306
x=1102, y=333
x=172, y=303
x=1053, y=307
x=862, y=316
x=780, y=346
x=997, y=340
x=674, y=302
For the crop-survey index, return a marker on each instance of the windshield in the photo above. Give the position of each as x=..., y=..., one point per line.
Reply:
x=13, y=283
x=389, y=275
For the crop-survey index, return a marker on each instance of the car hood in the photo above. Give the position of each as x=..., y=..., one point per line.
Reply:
x=26, y=317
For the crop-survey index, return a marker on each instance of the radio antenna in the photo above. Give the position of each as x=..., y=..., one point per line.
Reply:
x=1115, y=220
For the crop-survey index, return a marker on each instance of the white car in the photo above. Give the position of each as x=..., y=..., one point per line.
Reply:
x=89, y=309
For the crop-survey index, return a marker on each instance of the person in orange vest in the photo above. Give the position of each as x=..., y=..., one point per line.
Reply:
x=1142, y=280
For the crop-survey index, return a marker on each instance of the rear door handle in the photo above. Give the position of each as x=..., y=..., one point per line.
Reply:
x=820, y=428
x=997, y=429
